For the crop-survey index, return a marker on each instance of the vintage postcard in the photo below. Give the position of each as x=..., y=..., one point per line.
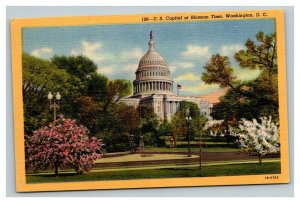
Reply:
x=150, y=100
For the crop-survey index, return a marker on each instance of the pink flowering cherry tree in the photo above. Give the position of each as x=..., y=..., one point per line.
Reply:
x=63, y=143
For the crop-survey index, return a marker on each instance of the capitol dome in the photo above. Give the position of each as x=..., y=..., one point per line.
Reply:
x=152, y=58
x=153, y=75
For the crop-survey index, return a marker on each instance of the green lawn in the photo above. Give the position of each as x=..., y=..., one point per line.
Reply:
x=208, y=145
x=212, y=149
x=147, y=157
x=208, y=142
x=171, y=172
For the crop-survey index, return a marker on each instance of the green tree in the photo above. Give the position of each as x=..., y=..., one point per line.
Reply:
x=262, y=55
x=87, y=112
x=179, y=123
x=40, y=77
x=116, y=90
x=149, y=124
x=127, y=118
x=229, y=110
x=98, y=87
x=79, y=66
x=247, y=99
x=87, y=96
x=165, y=132
x=116, y=127
x=219, y=71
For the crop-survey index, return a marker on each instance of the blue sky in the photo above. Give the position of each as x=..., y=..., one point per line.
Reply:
x=117, y=49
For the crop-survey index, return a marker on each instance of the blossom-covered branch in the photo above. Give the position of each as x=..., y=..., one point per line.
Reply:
x=62, y=143
x=259, y=138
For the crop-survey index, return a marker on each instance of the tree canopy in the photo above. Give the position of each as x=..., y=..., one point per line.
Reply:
x=219, y=71
x=40, y=77
x=261, y=54
x=62, y=143
x=87, y=96
x=246, y=99
x=179, y=123
x=80, y=66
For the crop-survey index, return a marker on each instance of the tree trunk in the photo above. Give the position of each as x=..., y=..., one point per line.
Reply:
x=200, y=156
x=227, y=132
x=56, y=168
x=259, y=159
x=175, y=139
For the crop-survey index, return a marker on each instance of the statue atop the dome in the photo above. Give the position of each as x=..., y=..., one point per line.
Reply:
x=151, y=37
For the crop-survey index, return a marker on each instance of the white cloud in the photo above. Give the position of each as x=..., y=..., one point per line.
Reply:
x=200, y=87
x=196, y=51
x=90, y=49
x=186, y=65
x=130, y=68
x=188, y=77
x=180, y=65
x=42, y=52
x=135, y=53
x=172, y=68
x=106, y=70
x=229, y=50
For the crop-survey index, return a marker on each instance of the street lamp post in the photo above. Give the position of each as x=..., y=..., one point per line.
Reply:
x=188, y=119
x=141, y=141
x=131, y=143
x=141, y=144
x=200, y=152
x=156, y=131
x=54, y=104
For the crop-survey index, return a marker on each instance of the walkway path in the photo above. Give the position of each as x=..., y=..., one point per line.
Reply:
x=164, y=158
x=163, y=166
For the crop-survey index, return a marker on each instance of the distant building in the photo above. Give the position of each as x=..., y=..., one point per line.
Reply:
x=153, y=86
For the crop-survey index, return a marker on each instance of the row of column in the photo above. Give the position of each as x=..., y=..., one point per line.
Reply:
x=171, y=107
x=153, y=85
x=147, y=74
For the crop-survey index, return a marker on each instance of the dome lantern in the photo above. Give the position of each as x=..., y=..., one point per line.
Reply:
x=151, y=43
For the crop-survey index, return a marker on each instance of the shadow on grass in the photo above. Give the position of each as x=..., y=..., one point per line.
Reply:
x=59, y=175
x=169, y=172
x=175, y=169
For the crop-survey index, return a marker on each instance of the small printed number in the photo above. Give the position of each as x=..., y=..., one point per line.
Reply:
x=271, y=177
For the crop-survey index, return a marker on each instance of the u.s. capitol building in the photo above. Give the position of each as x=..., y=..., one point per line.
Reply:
x=154, y=86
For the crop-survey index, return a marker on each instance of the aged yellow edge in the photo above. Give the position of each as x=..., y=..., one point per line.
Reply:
x=283, y=111
x=16, y=44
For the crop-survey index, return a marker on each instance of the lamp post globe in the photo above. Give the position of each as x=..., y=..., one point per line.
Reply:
x=50, y=96
x=58, y=96
x=188, y=119
x=54, y=104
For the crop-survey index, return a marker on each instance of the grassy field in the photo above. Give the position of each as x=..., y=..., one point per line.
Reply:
x=207, y=171
x=213, y=149
x=138, y=157
x=208, y=145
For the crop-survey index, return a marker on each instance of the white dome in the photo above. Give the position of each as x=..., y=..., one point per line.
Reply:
x=152, y=58
x=153, y=75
